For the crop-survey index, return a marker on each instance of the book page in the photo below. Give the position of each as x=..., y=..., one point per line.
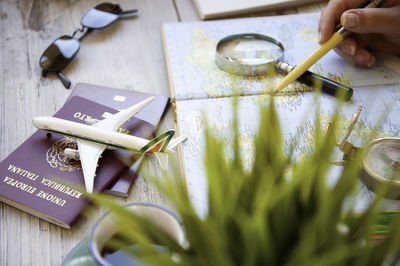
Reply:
x=297, y=118
x=190, y=51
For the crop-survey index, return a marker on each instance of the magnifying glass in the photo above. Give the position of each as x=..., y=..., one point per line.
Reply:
x=252, y=54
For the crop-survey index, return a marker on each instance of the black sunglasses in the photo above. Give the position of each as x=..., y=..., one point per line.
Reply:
x=58, y=55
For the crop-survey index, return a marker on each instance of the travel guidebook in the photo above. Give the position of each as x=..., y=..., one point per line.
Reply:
x=37, y=178
x=200, y=90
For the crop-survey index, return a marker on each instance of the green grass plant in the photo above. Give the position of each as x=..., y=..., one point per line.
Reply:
x=280, y=212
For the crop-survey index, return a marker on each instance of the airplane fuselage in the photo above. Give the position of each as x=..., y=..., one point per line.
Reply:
x=90, y=133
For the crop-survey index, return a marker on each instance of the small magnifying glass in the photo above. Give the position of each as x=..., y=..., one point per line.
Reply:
x=252, y=54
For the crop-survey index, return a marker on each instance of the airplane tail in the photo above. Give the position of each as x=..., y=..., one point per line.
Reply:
x=160, y=144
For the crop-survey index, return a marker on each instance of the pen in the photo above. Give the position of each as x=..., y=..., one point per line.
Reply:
x=336, y=38
x=327, y=85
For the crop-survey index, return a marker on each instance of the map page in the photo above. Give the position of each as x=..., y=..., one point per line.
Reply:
x=296, y=115
x=203, y=92
x=190, y=50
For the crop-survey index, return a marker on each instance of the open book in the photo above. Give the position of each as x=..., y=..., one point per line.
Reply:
x=202, y=91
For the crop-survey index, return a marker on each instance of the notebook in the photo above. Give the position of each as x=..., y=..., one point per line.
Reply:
x=210, y=9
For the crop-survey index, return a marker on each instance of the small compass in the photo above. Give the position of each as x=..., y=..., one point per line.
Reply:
x=381, y=164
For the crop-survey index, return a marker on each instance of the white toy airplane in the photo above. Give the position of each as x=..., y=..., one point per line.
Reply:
x=93, y=139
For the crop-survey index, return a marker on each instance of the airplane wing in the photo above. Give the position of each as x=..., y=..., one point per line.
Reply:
x=89, y=153
x=174, y=142
x=116, y=120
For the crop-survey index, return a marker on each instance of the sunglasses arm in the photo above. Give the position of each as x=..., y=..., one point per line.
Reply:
x=65, y=81
x=129, y=12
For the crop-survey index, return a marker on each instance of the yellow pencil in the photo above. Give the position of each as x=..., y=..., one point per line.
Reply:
x=336, y=38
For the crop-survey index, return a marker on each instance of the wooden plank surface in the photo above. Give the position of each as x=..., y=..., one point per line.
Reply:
x=127, y=55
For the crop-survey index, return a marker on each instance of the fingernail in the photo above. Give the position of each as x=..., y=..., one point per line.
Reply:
x=319, y=37
x=363, y=60
x=350, y=20
x=371, y=62
x=348, y=49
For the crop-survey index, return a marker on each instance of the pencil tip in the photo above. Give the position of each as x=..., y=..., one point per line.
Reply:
x=280, y=87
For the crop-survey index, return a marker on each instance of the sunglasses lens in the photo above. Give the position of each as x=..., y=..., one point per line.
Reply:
x=101, y=16
x=59, y=53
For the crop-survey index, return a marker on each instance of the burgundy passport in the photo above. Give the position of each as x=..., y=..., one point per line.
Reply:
x=120, y=99
x=37, y=178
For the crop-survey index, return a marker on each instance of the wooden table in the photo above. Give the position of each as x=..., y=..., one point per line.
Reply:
x=127, y=55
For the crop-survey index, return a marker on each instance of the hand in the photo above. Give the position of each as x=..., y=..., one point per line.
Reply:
x=374, y=29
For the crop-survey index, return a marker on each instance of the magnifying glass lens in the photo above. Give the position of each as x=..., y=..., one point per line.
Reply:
x=251, y=51
x=248, y=54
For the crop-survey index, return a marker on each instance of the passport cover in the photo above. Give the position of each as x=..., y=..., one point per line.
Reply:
x=37, y=178
x=119, y=99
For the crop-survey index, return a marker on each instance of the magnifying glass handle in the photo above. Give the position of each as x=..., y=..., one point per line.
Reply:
x=327, y=85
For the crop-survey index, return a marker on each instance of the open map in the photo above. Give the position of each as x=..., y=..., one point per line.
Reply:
x=202, y=91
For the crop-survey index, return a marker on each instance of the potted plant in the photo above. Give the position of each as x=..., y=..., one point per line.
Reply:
x=282, y=211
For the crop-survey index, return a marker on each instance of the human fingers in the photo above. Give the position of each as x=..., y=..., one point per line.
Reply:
x=380, y=44
x=353, y=50
x=390, y=3
x=357, y=48
x=331, y=15
x=372, y=20
x=348, y=46
x=361, y=57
